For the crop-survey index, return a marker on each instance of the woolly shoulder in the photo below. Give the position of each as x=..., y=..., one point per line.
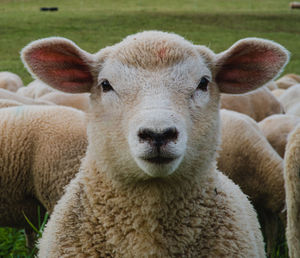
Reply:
x=57, y=228
x=242, y=212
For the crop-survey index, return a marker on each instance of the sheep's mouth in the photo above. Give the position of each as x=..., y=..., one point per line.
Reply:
x=159, y=160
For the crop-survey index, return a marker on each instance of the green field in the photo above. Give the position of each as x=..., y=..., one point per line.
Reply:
x=95, y=24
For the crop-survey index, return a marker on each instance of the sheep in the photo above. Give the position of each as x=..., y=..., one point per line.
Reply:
x=271, y=85
x=42, y=92
x=40, y=151
x=249, y=160
x=290, y=98
x=9, y=103
x=35, y=89
x=6, y=94
x=292, y=188
x=79, y=101
x=278, y=92
x=288, y=80
x=148, y=185
x=258, y=104
x=276, y=129
x=10, y=81
x=294, y=110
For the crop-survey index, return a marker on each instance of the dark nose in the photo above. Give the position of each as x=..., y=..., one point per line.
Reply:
x=158, y=139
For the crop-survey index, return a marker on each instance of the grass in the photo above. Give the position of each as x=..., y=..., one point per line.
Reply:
x=95, y=24
x=13, y=241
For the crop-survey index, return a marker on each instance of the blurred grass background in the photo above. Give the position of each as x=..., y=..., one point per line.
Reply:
x=94, y=24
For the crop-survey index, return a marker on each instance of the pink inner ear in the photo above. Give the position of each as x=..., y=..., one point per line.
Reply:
x=62, y=68
x=266, y=56
x=48, y=55
x=71, y=74
x=246, y=70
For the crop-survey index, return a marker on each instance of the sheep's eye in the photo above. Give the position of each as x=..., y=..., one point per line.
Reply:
x=203, y=84
x=106, y=86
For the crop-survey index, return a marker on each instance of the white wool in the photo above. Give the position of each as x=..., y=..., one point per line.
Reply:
x=148, y=185
x=10, y=81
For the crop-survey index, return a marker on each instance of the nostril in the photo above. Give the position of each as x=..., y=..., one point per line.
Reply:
x=170, y=134
x=146, y=135
x=158, y=139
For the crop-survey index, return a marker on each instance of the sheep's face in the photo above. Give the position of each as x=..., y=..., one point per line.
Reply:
x=155, y=109
x=154, y=96
x=155, y=113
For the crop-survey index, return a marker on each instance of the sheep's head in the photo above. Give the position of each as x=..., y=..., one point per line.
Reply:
x=154, y=96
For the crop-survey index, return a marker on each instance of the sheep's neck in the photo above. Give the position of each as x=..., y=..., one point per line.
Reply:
x=150, y=216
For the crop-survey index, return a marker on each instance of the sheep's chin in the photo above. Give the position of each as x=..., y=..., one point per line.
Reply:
x=158, y=169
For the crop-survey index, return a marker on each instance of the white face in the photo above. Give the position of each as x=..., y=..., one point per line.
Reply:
x=152, y=113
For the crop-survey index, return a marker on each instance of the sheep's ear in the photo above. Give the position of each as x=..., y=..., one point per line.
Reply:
x=60, y=63
x=249, y=64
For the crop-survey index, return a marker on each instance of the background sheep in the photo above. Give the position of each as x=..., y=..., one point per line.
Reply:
x=294, y=110
x=135, y=195
x=290, y=99
x=292, y=187
x=278, y=92
x=9, y=103
x=257, y=104
x=35, y=89
x=247, y=158
x=271, y=85
x=5, y=94
x=288, y=80
x=276, y=129
x=40, y=151
x=79, y=101
x=42, y=92
x=10, y=81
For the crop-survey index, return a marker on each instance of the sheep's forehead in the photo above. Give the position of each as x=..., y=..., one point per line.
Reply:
x=152, y=50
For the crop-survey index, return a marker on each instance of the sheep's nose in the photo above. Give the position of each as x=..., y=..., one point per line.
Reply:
x=158, y=139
